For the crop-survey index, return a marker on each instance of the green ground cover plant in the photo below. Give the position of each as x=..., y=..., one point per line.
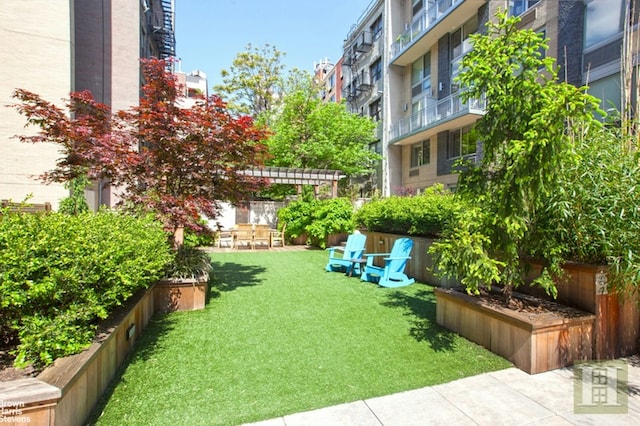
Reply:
x=60, y=274
x=281, y=335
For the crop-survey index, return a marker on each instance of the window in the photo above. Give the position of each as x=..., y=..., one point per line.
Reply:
x=375, y=70
x=421, y=76
x=418, y=5
x=543, y=51
x=421, y=153
x=461, y=45
x=375, y=109
x=332, y=81
x=462, y=142
x=376, y=28
x=608, y=91
x=603, y=20
x=518, y=7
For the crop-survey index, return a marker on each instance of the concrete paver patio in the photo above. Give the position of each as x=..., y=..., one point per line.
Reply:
x=505, y=397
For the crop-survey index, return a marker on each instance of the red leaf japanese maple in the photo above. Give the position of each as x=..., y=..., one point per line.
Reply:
x=176, y=162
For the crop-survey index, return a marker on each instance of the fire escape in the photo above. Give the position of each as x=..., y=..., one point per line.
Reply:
x=160, y=24
x=354, y=56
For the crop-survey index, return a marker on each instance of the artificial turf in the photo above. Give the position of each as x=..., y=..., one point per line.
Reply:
x=280, y=335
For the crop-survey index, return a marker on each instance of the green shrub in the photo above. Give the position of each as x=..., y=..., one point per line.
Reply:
x=594, y=215
x=425, y=215
x=59, y=274
x=204, y=237
x=317, y=219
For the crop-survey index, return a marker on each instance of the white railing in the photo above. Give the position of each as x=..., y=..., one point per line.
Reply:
x=421, y=23
x=435, y=112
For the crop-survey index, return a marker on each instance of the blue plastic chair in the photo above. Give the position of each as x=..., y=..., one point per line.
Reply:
x=342, y=258
x=392, y=274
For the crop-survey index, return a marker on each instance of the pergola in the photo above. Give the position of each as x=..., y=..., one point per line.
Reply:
x=299, y=177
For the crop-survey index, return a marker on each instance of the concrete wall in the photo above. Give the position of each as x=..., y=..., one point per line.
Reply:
x=36, y=55
x=107, y=63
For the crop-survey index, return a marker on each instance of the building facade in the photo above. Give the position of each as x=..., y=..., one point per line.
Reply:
x=53, y=47
x=193, y=86
x=425, y=127
x=362, y=80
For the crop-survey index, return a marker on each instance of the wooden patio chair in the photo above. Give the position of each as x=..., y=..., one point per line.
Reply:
x=224, y=238
x=277, y=236
x=262, y=236
x=243, y=235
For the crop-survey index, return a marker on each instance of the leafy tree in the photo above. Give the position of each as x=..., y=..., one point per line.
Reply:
x=172, y=161
x=528, y=132
x=308, y=133
x=254, y=81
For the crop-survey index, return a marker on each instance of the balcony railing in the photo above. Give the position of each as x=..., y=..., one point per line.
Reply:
x=434, y=113
x=422, y=22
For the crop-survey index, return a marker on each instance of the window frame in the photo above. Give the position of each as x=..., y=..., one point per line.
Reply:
x=420, y=154
x=526, y=5
x=459, y=143
x=376, y=28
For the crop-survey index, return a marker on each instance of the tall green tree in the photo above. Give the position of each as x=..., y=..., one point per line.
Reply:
x=253, y=83
x=309, y=133
x=529, y=132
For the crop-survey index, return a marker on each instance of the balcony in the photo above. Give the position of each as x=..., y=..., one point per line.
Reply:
x=363, y=82
x=445, y=114
x=349, y=93
x=436, y=20
x=363, y=42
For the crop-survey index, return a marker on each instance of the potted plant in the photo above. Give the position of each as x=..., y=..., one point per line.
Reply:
x=186, y=282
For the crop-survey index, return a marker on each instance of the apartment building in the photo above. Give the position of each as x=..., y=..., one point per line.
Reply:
x=194, y=87
x=425, y=126
x=53, y=47
x=362, y=79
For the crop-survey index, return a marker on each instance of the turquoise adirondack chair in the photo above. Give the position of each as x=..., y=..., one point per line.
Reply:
x=392, y=274
x=342, y=258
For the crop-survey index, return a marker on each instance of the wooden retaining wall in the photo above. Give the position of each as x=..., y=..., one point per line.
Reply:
x=617, y=324
x=534, y=343
x=66, y=392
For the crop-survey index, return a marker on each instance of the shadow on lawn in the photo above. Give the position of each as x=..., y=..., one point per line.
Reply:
x=230, y=276
x=421, y=307
x=144, y=349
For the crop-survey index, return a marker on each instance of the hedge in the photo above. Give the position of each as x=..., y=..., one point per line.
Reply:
x=425, y=215
x=60, y=274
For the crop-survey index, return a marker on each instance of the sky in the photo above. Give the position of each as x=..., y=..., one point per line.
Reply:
x=210, y=33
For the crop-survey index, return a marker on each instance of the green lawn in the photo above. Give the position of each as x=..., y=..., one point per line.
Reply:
x=281, y=335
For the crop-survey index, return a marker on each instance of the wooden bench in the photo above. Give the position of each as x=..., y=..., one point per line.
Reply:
x=26, y=207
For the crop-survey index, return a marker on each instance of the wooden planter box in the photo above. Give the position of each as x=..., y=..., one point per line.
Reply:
x=617, y=324
x=66, y=392
x=181, y=294
x=332, y=239
x=533, y=342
